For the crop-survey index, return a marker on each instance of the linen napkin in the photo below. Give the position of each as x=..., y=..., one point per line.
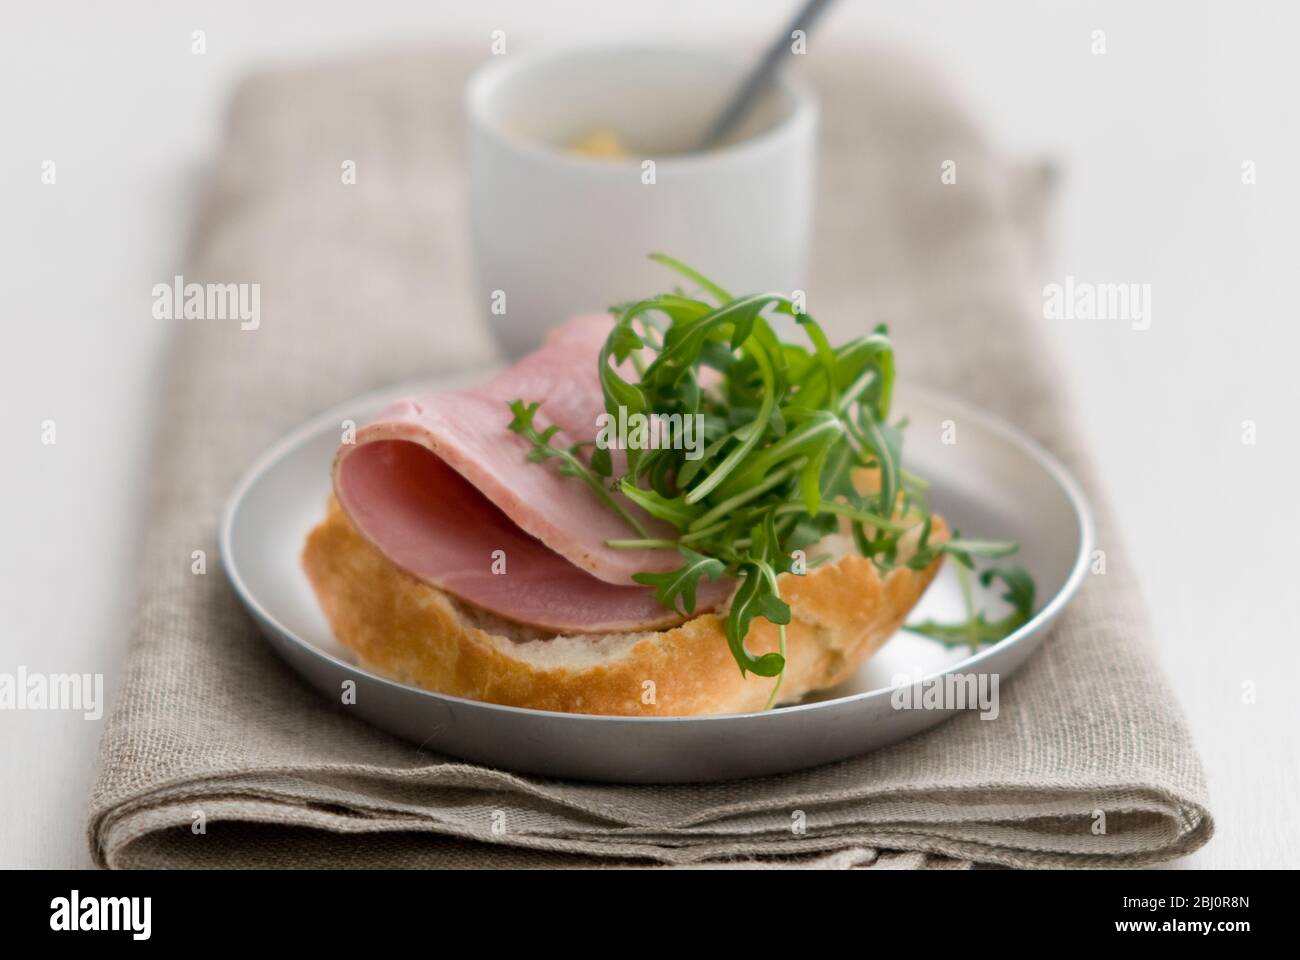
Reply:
x=216, y=754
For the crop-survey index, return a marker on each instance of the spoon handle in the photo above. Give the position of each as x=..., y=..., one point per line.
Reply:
x=759, y=77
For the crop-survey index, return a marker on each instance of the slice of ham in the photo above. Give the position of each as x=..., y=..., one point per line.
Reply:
x=439, y=485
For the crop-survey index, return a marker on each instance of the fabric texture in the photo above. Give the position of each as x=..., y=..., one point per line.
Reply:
x=368, y=284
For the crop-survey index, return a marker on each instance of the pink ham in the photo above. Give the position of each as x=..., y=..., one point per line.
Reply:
x=438, y=483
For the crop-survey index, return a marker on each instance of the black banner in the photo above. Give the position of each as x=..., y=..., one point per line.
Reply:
x=336, y=908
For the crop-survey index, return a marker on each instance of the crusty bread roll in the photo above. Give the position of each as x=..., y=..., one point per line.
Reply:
x=404, y=629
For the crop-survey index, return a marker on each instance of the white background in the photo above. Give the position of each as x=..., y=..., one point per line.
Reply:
x=1151, y=138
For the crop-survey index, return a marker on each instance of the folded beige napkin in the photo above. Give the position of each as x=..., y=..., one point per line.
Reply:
x=366, y=284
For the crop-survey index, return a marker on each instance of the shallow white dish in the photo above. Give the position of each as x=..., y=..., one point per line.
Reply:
x=993, y=483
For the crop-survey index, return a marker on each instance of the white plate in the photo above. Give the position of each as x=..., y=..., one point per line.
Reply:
x=993, y=483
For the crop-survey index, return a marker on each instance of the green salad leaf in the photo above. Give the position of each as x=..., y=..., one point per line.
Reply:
x=787, y=434
x=681, y=583
x=978, y=629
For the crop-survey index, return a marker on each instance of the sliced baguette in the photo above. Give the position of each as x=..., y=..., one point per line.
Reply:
x=404, y=629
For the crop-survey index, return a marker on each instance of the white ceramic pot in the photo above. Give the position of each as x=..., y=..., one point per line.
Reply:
x=556, y=234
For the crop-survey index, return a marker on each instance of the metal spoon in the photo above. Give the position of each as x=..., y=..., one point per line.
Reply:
x=761, y=75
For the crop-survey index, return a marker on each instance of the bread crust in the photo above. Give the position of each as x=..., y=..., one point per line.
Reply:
x=409, y=631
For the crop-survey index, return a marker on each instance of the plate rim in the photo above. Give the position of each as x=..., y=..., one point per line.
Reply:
x=308, y=429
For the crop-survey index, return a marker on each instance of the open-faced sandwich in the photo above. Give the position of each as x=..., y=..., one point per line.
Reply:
x=666, y=511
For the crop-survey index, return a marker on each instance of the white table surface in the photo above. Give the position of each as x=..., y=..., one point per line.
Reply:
x=1151, y=137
